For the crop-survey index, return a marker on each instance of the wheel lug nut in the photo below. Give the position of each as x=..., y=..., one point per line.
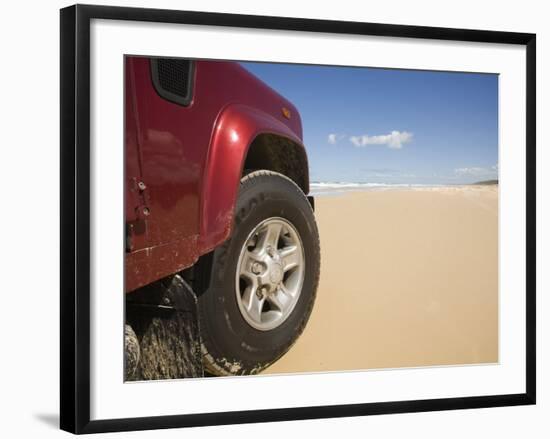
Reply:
x=256, y=268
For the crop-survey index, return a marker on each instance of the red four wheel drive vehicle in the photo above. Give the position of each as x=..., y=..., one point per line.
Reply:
x=216, y=183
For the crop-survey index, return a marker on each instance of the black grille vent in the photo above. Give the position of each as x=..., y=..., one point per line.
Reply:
x=172, y=79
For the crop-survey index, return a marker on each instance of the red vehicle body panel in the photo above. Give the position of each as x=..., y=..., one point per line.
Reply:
x=184, y=163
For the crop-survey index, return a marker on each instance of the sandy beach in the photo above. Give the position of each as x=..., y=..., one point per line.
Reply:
x=409, y=277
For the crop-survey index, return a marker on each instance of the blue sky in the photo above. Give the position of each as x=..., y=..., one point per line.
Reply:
x=392, y=126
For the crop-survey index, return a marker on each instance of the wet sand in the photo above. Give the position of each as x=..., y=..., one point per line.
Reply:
x=408, y=278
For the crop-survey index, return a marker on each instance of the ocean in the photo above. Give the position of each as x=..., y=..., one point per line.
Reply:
x=335, y=188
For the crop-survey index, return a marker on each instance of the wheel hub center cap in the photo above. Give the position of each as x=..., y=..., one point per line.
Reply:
x=276, y=273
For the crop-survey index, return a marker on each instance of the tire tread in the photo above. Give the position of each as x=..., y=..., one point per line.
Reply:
x=247, y=181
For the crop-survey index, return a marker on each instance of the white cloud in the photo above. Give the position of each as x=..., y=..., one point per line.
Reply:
x=394, y=140
x=471, y=171
x=477, y=171
x=334, y=138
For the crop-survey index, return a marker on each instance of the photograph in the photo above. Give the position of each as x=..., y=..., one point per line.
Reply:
x=285, y=218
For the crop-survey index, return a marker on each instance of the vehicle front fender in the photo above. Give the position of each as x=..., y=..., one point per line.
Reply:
x=236, y=128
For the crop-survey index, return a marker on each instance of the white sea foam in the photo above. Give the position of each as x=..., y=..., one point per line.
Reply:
x=331, y=188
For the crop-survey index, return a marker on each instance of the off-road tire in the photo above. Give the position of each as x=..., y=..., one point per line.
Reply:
x=231, y=346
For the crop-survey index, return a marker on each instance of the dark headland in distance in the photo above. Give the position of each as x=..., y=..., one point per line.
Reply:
x=486, y=182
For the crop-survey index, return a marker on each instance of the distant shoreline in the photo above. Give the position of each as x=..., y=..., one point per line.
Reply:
x=485, y=183
x=340, y=188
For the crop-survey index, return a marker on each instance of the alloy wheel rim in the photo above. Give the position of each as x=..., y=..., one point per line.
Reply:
x=270, y=273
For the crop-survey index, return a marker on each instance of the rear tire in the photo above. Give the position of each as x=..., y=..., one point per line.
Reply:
x=234, y=340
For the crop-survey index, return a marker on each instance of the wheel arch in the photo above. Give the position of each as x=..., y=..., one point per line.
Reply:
x=244, y=136
x=277, y=153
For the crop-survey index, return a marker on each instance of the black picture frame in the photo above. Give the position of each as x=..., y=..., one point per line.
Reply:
x=75, y=217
